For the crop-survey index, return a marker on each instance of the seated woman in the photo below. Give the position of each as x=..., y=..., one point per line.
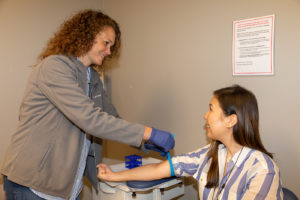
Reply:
x=235, y=165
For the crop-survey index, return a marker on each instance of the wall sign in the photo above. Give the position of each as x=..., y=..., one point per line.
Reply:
x=253, y=46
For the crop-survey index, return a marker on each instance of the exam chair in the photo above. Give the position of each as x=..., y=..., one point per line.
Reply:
x=288, y=194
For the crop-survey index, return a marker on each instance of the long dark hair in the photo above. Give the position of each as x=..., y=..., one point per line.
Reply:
x=77, y=34
x=241, y=102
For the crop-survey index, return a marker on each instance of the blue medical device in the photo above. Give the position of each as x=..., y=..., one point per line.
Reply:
x=132, y=161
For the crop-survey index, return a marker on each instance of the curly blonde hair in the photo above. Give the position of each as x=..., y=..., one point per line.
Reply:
x=76, y=35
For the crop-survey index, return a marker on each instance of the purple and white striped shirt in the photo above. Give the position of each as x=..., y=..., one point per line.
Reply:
x=255, y=175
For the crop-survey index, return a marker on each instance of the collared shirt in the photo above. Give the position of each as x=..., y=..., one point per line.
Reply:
x=254, y=175
x=86, y=145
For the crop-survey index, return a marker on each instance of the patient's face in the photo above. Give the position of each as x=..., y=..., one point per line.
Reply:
x=215, y=121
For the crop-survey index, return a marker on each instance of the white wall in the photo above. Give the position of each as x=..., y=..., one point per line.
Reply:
x=175, y=53
x=25, y=27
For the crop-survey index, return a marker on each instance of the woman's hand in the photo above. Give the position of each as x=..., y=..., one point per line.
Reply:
x=160, y=141
x=105, y=173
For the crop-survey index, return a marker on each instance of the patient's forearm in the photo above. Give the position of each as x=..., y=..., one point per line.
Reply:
x=146, y=172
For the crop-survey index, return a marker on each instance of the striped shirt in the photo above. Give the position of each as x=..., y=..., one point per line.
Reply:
x=254, y=176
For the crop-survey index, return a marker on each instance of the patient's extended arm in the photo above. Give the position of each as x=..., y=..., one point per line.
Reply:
x=144, y=173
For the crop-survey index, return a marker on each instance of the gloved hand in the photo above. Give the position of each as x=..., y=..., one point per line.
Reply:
x=160, y=141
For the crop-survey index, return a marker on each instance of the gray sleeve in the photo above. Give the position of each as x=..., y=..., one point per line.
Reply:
x=57, y=80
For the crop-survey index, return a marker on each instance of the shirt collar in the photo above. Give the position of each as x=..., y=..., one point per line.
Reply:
x=242, y=157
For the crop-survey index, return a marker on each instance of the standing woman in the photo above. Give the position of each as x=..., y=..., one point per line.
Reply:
x=63, y=108
x=235, y=165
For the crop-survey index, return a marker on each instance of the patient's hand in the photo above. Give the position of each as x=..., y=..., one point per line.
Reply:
x=105, y=173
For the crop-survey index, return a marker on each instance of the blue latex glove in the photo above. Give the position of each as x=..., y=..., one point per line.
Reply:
x=160, y=141
x=151, y=146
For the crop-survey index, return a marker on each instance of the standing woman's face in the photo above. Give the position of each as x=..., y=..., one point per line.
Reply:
x=215, y=121
x=103, y=42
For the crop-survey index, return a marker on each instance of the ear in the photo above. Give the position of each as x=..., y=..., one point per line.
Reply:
x=231, y=120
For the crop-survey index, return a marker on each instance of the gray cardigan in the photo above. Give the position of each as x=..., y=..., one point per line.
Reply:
x=55, y=112
x=101, y=100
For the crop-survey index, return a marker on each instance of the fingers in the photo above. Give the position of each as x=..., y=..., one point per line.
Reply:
x=104, y=172
x=151, y=146
x=102, y=165
x=162, y=139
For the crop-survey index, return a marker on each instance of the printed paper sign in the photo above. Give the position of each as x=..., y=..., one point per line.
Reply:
x=253, y=46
